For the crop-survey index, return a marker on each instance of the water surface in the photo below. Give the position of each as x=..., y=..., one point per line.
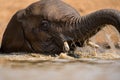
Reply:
x=37, y=67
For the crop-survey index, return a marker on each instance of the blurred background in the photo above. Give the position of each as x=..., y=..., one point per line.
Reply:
x=9, y=7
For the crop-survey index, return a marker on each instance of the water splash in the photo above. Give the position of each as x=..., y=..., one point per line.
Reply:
x=110, y=42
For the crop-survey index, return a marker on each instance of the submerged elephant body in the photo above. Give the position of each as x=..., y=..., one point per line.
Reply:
x=44, y=26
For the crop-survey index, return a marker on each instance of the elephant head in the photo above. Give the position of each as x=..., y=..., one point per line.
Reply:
x=44, y=26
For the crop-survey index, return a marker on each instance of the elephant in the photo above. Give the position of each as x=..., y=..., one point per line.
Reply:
x=47, y=26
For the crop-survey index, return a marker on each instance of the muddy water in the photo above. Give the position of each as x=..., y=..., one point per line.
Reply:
x=39, y=67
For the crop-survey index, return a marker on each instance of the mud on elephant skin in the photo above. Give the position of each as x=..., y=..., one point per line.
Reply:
x=44, y=26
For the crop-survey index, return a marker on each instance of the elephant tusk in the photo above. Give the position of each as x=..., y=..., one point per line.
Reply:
x=90, y=43
x=66, y=46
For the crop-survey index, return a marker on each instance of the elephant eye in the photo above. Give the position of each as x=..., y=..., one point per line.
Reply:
x=44, y=25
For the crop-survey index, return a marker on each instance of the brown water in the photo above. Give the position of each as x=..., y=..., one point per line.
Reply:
x=39, y=67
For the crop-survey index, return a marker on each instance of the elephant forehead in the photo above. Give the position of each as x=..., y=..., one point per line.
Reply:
x=52, y=9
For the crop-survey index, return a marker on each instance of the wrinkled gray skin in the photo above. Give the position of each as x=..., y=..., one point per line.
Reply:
x=43, y=26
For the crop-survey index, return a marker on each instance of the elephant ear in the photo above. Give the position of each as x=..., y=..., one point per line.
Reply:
x=13, y=37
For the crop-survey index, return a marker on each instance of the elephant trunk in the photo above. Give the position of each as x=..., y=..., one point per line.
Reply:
x=90, y=24
x=0, y=50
